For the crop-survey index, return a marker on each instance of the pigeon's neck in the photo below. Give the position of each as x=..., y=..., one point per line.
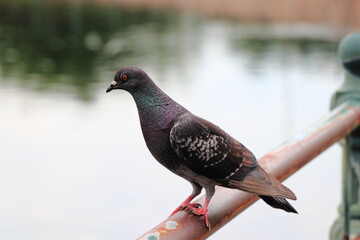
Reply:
x=156, y=109
x=149, y=96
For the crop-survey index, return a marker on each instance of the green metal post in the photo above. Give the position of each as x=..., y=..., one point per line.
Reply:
x=347, y=226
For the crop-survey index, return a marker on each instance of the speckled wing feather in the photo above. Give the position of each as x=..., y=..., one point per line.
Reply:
x=209, y=151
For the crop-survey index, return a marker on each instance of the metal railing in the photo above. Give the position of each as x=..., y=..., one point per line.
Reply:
x=290, y=157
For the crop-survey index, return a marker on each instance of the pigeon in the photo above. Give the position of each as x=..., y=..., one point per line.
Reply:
x=196, y=149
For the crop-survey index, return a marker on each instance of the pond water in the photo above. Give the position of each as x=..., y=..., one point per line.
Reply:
x=73, y=164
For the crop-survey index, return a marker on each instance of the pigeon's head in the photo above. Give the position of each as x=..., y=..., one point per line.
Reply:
x=129, y=78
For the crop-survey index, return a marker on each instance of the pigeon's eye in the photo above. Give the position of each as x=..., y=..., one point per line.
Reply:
x=124, y=77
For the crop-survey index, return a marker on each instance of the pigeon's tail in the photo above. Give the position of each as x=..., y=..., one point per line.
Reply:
x=278, y=202
x=260, y=183
x=268, y=188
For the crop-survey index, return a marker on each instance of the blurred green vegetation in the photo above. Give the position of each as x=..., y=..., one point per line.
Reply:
x=47, y=44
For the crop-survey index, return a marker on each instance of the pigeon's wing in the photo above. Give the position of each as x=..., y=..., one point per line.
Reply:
x=209, y=151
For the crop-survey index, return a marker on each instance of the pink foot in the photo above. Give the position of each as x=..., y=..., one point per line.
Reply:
x=202, y=212
x=195, y=208
x=186, y=204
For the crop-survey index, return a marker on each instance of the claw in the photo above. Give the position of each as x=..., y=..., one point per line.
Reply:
x=207, y=225
x=196, y=205
x=176, y=210
x=186, y=204
x=201, y=212
x=195, y=209
x=197, y=212
x=182, y=207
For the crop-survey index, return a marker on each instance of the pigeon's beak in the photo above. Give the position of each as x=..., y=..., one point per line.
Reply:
x=111, y=87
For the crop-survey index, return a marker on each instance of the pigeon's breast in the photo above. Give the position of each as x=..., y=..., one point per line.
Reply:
x=158, y=143
x=156, y=122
